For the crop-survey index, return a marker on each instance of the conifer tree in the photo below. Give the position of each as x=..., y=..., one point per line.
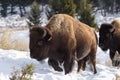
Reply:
x=63, y=6
x=68, y=7
x=35, y=13
x=4, y=7
x=86, y=13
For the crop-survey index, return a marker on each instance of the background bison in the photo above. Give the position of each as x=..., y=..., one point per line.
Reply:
x=64, y=40
x=110, y=37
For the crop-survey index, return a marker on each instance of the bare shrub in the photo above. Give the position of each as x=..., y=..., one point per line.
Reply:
x=24, y=74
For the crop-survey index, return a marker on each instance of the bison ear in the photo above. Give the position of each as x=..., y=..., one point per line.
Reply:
x=47, y=35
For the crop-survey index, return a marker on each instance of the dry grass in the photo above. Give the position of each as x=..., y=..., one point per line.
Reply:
x=20, y=44
x=4, y=43
x=17, y=44
x=117, y=76
x=2, y=30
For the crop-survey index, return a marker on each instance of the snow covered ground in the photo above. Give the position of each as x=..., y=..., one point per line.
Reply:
x=13, y=58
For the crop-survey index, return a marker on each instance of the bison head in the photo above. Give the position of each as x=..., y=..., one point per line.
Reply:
x=105, y=35
x=39, y=42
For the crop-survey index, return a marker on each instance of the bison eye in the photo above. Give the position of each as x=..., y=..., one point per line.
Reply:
x=40, y=43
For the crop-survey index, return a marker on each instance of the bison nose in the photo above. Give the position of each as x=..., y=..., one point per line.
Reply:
x=32, y=56
x=101, y=45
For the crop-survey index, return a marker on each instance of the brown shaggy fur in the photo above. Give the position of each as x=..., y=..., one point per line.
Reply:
x=67, y=39
x=110, y=37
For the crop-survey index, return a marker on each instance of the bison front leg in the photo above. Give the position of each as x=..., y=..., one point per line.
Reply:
x=68, y=65
x=82, y=63
x=112, y=54
x=55, y=65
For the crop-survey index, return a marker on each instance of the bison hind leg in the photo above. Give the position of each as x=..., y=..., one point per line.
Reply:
x=80, y=65
x=55, y=65
x=93, y=61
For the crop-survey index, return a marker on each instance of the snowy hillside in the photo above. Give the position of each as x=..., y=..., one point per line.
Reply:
x=10, y=59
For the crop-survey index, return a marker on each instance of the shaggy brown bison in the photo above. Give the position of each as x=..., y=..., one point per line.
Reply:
x=63, y=40
x=110, y=37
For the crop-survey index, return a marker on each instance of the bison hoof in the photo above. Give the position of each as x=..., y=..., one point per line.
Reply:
x=116, y=63
x=66, y=72
x=58, y=69
x=95, y=72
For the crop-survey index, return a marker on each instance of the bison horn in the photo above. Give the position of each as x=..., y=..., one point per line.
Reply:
x=29, y=23
x=112, y=29
x=44, y=33
x=49, y=38
x=47, y=35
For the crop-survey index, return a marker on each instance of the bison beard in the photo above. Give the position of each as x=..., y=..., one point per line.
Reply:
x=62, y=40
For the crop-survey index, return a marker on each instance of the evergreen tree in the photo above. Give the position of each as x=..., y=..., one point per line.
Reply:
x=12, y=7
x=85, y=13
x=117, y=7
x=108, y=5
x=63, y=6
x=77, y=2
x=95, y=3
x=35, y=13
x=4, y=5
x=68, y=7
